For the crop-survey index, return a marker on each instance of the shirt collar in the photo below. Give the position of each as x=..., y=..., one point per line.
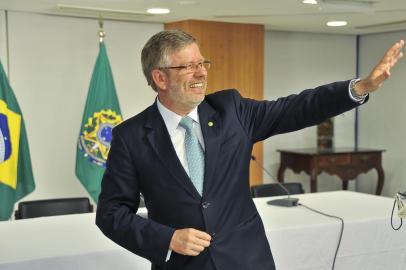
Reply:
x=172, y=119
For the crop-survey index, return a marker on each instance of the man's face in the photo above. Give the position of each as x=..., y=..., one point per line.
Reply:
x=184, y=89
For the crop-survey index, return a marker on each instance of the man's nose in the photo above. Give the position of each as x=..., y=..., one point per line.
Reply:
x=200, y=71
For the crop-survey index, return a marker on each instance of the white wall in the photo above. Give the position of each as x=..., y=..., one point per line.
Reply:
x=297, y=61
x=382, y=120
x=51, y=61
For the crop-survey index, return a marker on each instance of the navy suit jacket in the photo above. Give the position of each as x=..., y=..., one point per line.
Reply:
x=143, y=160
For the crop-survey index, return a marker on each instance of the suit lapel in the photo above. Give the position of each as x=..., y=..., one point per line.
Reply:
x=211, y=126
x=160, y=141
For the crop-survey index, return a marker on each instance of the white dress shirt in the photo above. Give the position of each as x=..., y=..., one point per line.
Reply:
x=177, y=133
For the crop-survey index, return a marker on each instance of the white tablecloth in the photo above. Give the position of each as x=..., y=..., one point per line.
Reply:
x=299, y=239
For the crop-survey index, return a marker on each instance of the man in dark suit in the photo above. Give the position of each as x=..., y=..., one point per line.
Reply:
x=189, y=154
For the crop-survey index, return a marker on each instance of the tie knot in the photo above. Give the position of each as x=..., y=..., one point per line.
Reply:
x=186, y=123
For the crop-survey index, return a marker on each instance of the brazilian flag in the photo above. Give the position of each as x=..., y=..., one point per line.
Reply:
x=102, y=113
x=16, y=178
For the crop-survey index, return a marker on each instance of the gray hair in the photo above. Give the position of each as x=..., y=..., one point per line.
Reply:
x=156, y=51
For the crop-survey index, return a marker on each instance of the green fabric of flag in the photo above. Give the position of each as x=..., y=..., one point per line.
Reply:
x=16, y=178
x=102, y=113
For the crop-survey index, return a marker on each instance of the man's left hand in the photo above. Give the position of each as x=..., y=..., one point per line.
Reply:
x=381, y=71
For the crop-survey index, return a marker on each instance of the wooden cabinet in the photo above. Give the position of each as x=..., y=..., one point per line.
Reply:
x=236, y=51
x=346, y=163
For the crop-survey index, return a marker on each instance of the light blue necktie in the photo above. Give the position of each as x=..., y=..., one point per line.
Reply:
x=194, y=154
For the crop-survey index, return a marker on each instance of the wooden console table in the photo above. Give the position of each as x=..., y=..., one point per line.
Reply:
x=346, y=163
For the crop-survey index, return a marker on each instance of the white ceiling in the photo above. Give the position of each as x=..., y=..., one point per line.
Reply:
x=363, y=16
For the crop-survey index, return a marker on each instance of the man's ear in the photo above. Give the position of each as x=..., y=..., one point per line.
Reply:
x=160, y=79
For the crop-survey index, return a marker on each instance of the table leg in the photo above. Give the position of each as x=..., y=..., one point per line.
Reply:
x=381, y=179
x=281, y=173
x=313, y=180
x=345, y=185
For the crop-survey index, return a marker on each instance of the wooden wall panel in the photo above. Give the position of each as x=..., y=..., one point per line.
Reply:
x=237, y=55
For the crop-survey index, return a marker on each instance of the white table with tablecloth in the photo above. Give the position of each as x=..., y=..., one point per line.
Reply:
x=299, y=238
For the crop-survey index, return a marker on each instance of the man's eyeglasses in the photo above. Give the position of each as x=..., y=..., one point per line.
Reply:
x=191, y=67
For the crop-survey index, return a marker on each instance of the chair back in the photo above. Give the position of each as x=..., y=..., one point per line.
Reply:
x=274, y=189
x=53, y=207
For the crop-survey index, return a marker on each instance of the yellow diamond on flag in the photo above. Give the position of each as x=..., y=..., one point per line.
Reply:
x=8, y=165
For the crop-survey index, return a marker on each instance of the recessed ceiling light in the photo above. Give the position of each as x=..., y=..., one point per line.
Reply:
x=336, y=23
x=310, y=2
x=158, y=10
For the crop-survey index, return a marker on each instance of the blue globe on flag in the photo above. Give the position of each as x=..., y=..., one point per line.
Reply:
x=5, y=142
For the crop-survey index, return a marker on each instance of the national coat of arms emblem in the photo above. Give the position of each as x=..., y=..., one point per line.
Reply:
x=96, y=135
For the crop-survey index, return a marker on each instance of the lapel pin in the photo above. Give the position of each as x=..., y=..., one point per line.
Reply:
x=210, y=124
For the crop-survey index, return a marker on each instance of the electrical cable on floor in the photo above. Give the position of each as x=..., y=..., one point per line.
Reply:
x=341, y=232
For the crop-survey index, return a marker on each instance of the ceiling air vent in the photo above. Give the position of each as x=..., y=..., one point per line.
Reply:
x=96, y=12
x=359, y=6
x=387, y=26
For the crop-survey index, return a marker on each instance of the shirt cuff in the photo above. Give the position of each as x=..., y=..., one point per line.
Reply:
x=168, y=256
x=357, y=98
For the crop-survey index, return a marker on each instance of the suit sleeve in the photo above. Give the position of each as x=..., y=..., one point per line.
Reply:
x=118, y=203
x=262, y=119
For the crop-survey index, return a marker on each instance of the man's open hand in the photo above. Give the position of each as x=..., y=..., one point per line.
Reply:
x=381, y=71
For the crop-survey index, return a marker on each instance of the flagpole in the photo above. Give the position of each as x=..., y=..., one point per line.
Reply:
x=101, y=114
x=102, y=34
x=7, y=45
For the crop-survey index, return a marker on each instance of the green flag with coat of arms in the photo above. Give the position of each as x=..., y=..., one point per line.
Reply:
x=102, y=113
x=16, y=178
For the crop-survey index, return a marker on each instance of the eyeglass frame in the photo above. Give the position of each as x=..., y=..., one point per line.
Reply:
x=191, y=67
